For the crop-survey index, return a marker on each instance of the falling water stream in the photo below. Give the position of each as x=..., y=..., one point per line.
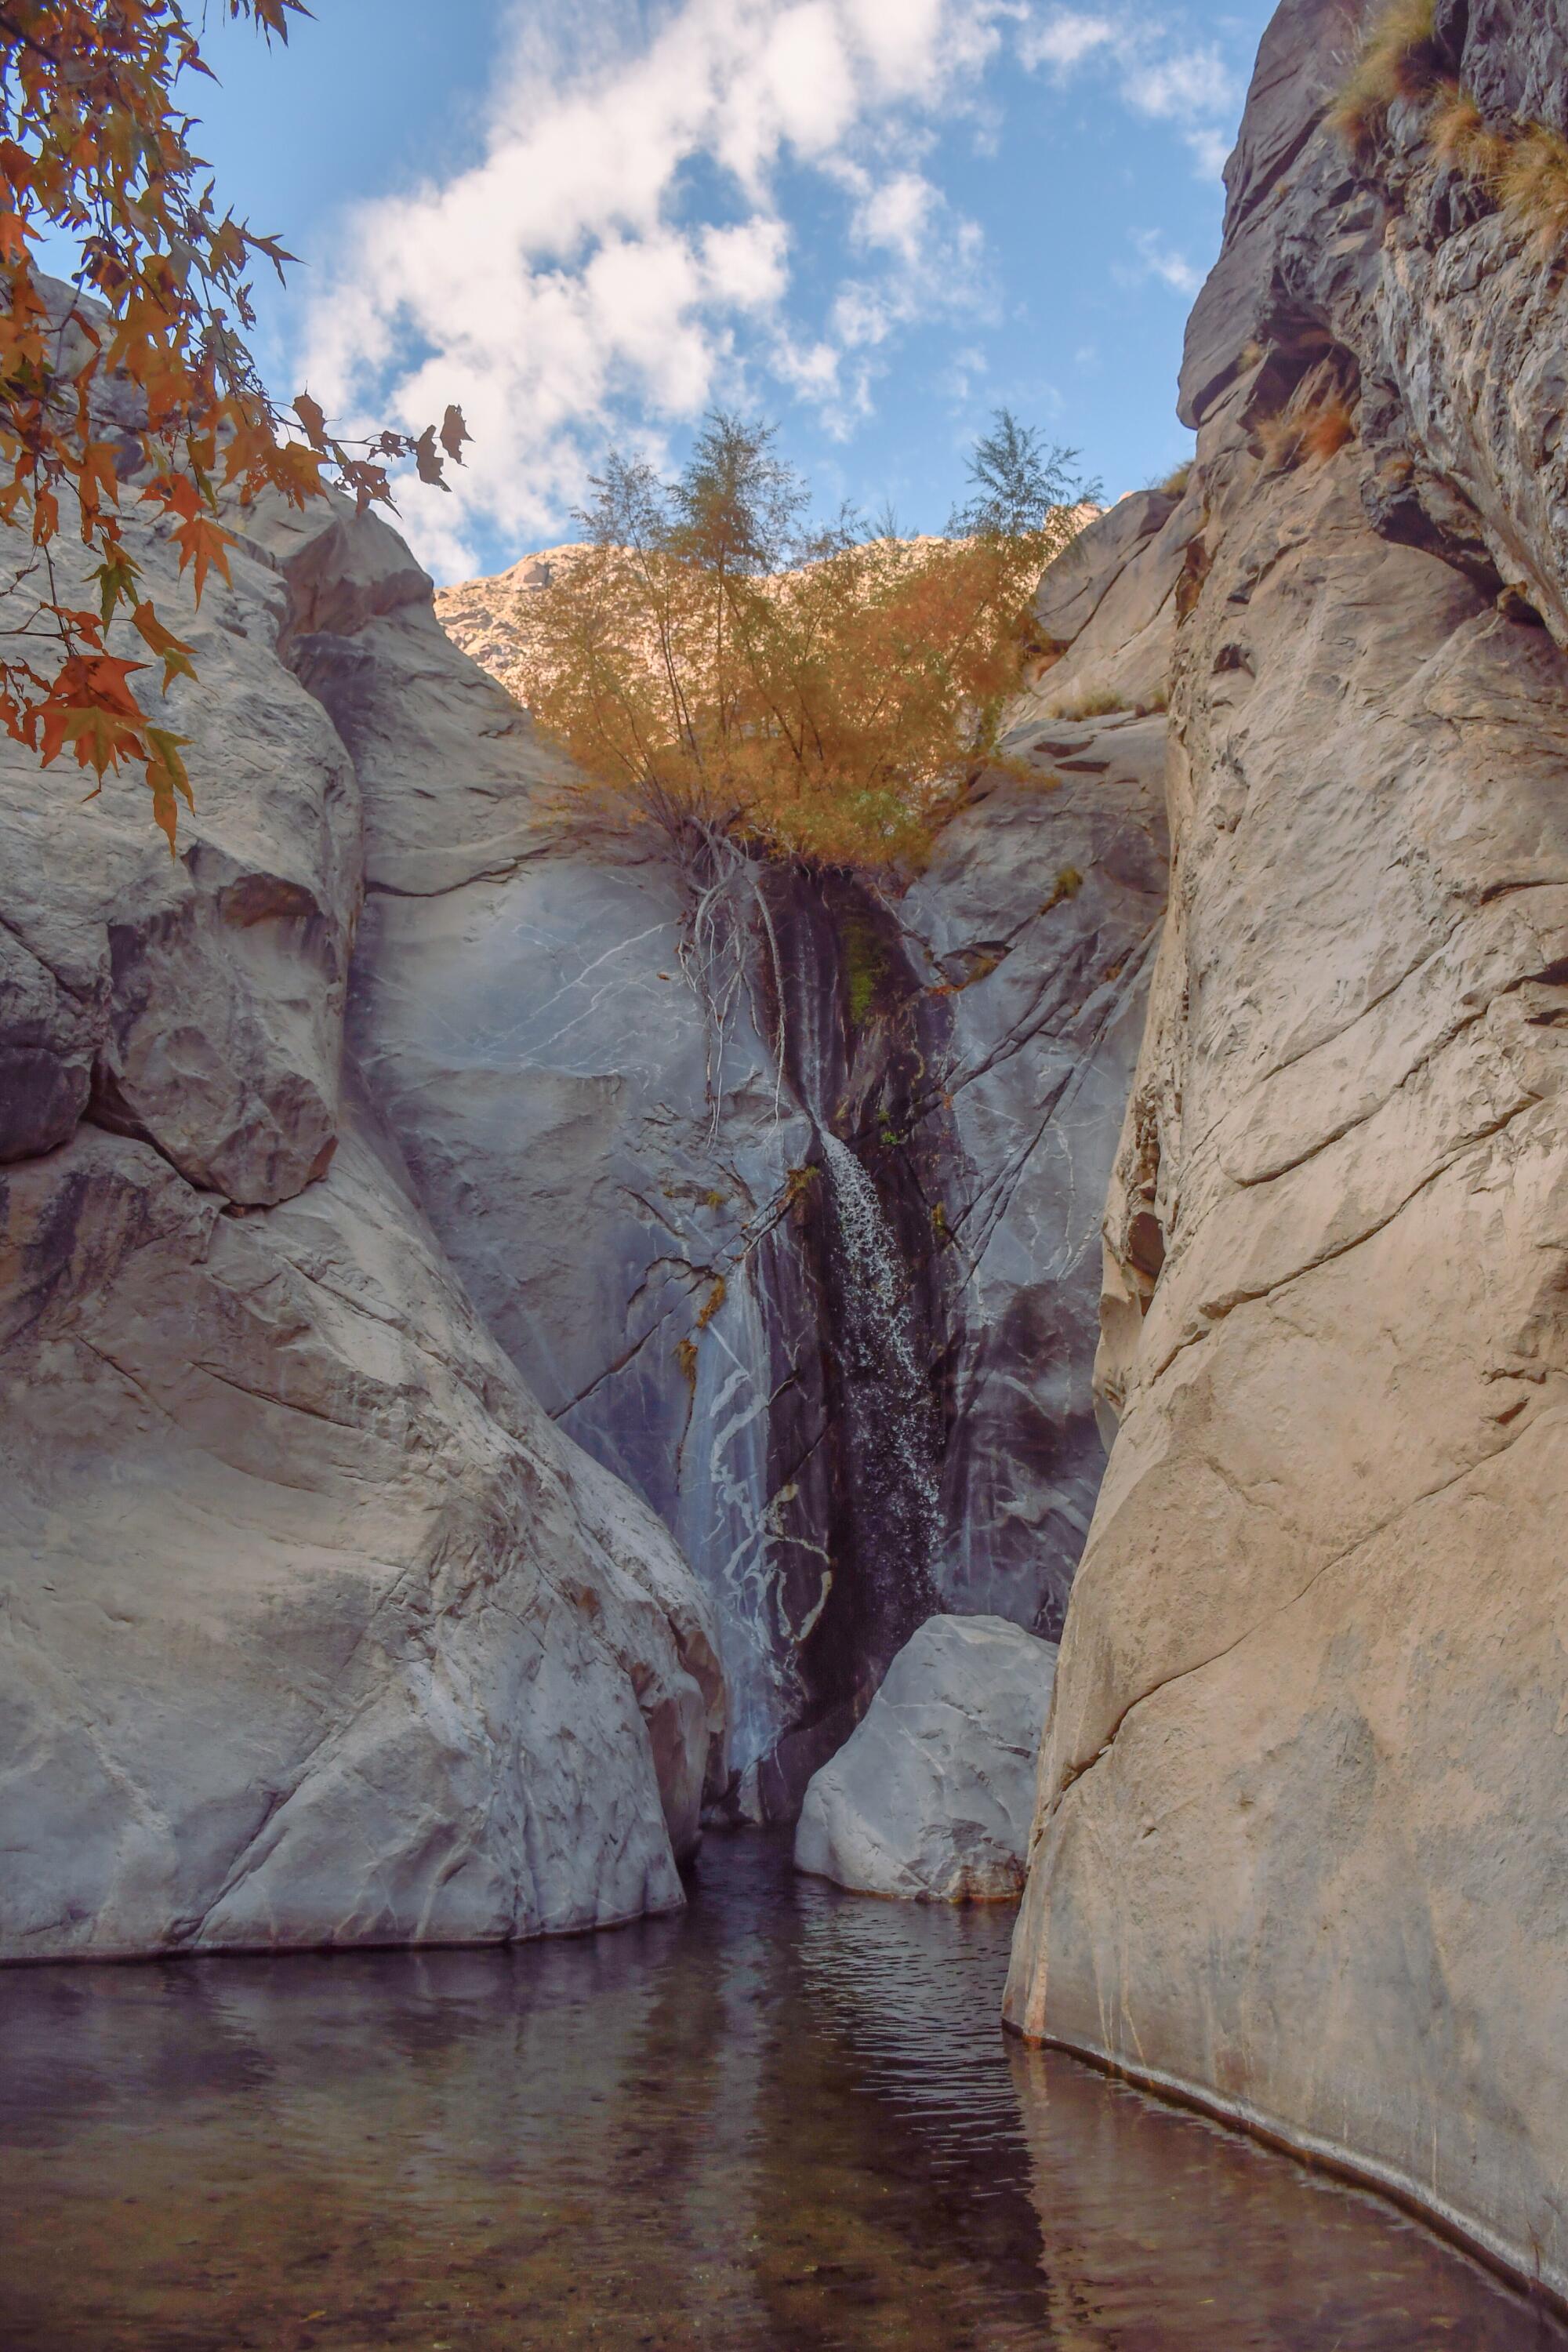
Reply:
x=786, y=2121
x=893, y=1434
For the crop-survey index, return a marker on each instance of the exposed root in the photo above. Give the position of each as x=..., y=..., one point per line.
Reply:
x=716, y=953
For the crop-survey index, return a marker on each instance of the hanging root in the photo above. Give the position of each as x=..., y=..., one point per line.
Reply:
x=717, y=954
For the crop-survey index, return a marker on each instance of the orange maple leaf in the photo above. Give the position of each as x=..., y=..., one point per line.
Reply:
x=203, y=544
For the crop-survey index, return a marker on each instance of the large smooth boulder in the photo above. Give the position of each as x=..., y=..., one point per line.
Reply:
x=931, y=1799
x=317, y=1632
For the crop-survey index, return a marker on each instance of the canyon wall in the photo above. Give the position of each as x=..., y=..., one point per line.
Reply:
x=313, y=1628
x=1301, y=1849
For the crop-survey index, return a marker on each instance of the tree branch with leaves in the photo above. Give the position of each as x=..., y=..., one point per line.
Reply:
x=136, y=391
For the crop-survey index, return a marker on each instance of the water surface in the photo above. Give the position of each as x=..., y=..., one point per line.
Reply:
x=786, y=2120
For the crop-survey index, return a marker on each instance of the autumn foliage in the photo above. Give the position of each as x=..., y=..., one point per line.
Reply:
x=716, y=670
x=141, y=396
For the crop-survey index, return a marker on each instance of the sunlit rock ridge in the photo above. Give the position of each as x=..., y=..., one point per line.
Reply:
x=1301, y=1848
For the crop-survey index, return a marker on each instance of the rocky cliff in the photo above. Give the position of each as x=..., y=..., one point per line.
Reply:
x=1301, y=1849
x=313, y=1628
x=824, y=1293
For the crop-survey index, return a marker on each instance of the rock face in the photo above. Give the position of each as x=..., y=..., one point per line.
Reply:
x=1038, y=915
x=931, y=1799
x=621, y=1211
x=654, y=1231
x=315, y=1628
x=1106, y=612
x=316, y=1631
x=1301, y=1849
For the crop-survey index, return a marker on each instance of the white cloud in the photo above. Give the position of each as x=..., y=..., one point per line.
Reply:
x=631, y=245
x=621, y=248
x=1158, y=73
x=1066, y=39
x=1161, y=261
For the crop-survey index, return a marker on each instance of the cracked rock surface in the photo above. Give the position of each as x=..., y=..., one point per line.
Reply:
x=1299, y=1848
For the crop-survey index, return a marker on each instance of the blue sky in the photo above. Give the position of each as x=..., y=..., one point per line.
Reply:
x=874, y=221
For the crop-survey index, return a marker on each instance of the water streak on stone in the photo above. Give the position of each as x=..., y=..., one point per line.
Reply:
x=894, y=1438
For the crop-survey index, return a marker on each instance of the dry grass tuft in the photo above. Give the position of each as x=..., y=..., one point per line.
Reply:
x=1096, y=705
x=1530, y=183
x=1399, y=59
x=712, y=1302
x=1461, y=140
x=1278, y=440
x=1327, y=429
x=1175, y=484
x=1317, y=431
x=1523, y=170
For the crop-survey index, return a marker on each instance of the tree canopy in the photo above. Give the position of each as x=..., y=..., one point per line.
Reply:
x=140, y=383
x=1018, y=481
x=719, y=667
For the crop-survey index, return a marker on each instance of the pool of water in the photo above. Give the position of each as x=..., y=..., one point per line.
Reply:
x=787, y=2119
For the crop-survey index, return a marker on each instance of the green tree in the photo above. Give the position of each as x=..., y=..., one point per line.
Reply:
x=1018, y=483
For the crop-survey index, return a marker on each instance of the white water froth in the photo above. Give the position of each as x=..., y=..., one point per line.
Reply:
x=878, y=1347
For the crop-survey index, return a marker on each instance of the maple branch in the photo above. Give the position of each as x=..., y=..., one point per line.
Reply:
x=11, y=31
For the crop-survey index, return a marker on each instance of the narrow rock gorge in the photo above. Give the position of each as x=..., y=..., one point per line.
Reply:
x=1300, y=1852
x=471, y=1417
x=677, y=1246
x=464, y=1415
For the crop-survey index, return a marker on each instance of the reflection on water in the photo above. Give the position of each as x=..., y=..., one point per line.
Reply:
x=786, y=2120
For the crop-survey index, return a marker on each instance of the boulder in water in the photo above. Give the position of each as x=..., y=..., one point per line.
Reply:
x=931, y=1801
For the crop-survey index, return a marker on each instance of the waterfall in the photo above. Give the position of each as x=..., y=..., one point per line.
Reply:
x=894, y=1440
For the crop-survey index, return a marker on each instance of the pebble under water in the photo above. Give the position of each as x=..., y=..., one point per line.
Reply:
x=787, y=2119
